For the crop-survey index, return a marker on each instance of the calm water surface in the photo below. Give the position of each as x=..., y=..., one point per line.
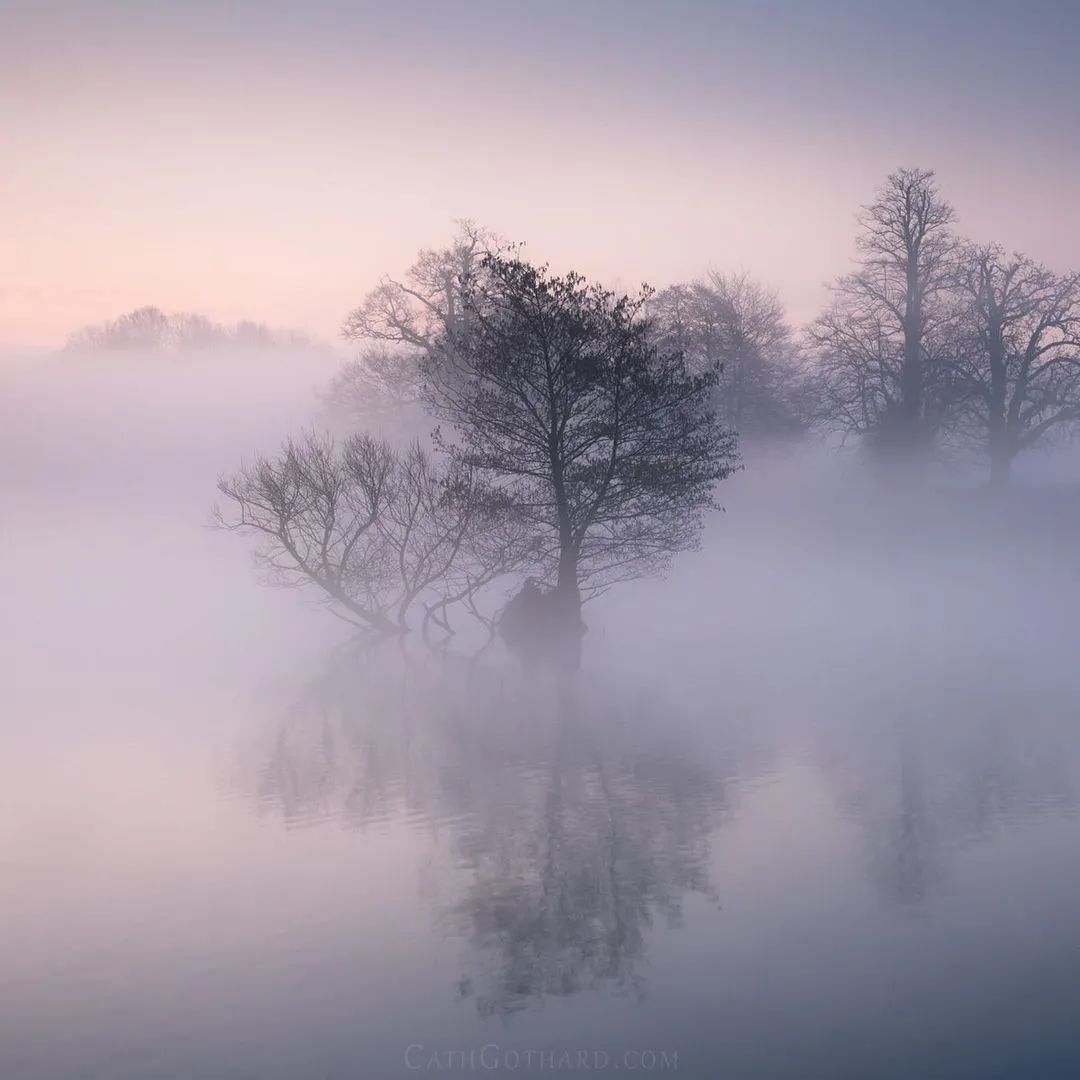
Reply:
x=756, y=841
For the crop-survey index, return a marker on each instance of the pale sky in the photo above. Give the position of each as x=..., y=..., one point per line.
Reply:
x=272, y=159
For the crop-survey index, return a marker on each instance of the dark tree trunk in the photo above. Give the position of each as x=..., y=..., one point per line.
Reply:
x=1000, y=464
x=911, y=375
x=568, y=608
x=998, y=418
x=567, y=589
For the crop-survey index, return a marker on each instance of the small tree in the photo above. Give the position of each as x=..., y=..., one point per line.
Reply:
x=607, y=444
x=379, y=531
x=1019, y=361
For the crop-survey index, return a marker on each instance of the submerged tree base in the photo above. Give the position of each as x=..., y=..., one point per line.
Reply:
x=543, y=626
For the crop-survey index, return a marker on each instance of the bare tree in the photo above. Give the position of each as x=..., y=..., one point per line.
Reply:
x=880, y=343
x=1020, y=361
x=418, y=309
x=735, y=325
x=379, y=531
x=607, y=444
x=400, y=322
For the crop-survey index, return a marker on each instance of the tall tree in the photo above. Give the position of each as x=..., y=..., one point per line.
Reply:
x=880, y=342
x=609, y=445
x=1020, y=359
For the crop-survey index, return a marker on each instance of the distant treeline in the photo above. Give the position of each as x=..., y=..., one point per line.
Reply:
x=150, y=328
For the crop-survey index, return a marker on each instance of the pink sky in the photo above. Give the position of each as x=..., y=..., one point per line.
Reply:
x=271, y=160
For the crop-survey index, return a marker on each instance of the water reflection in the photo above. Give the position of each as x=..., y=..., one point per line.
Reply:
x=930, y=765
x=552, y=836
x=574, y=822
x=603, y=841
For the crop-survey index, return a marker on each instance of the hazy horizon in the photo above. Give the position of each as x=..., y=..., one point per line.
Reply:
x=256, y=161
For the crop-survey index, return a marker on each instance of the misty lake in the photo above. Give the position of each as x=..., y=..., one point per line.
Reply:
x=539, y=539
x=810, y=809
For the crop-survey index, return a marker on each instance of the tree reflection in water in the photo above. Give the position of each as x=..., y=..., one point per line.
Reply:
x=951, y=757
x=579, y=821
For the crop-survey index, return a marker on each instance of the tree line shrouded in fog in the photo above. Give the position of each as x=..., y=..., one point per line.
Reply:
x=577, y=435
x=151, y=328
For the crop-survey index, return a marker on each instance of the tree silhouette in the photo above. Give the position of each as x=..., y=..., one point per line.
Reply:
x=1018, y=359
x=378, y=530
x=609, y=446
x=881, y=343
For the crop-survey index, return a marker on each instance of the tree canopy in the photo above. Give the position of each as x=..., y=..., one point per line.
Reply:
x=608, y=443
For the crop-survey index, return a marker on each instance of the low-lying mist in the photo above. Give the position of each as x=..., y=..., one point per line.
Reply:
x=842, y=665
x=818, y=577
